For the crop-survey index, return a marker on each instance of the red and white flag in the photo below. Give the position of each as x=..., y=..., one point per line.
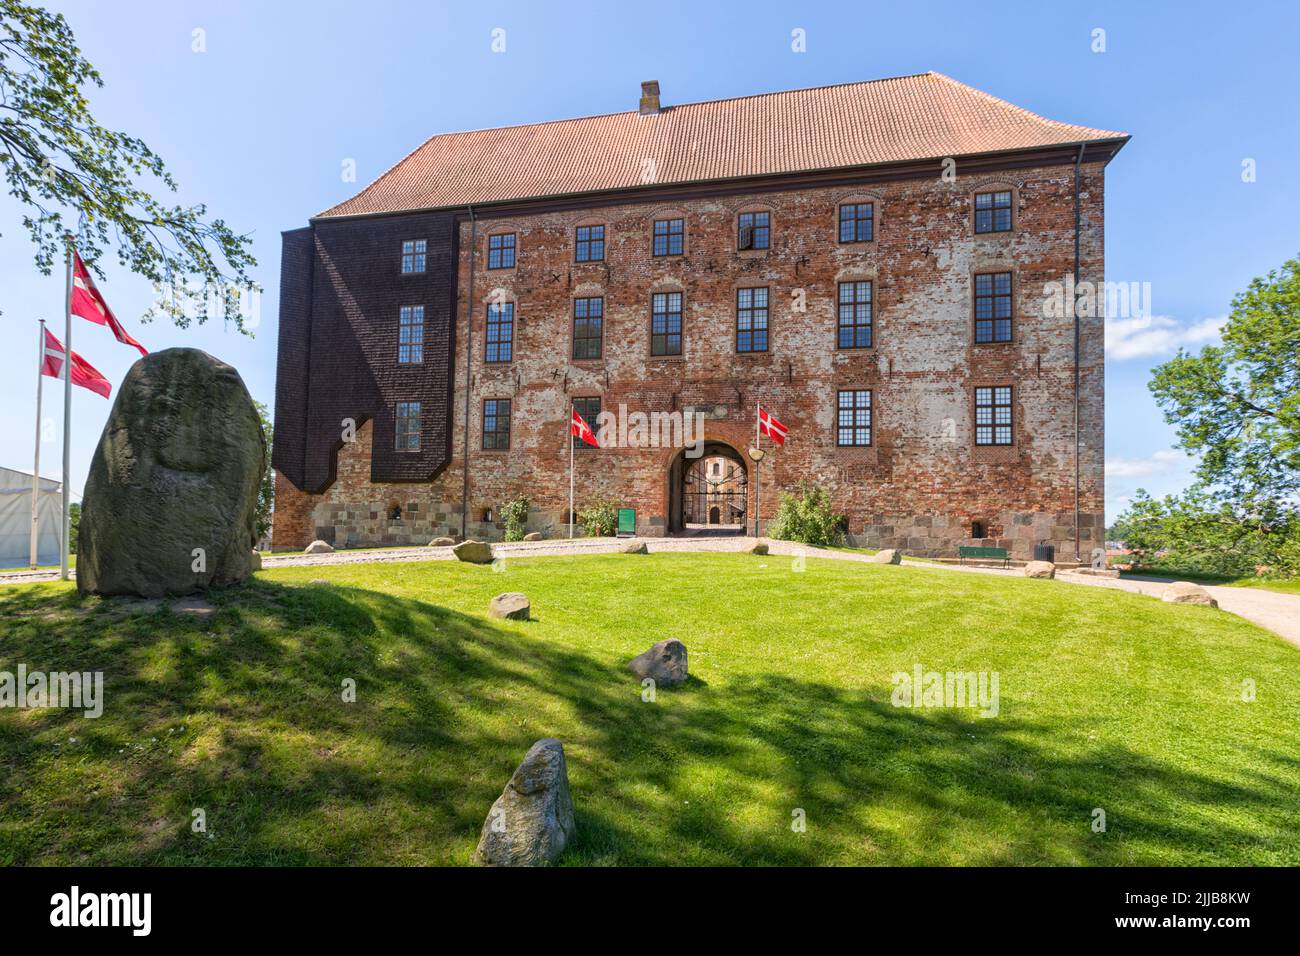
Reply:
x=88, y=303
x=579, y=428
x=770, y=427
x=83, y=373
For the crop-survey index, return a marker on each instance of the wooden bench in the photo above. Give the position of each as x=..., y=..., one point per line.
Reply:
x=985, y=554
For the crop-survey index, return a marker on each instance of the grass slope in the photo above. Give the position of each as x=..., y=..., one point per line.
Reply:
x=1108, y=700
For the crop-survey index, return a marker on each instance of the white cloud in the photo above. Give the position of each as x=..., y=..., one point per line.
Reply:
x=1158, y=463
x=1145, y=336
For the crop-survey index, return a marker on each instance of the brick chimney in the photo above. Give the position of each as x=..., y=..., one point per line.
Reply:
x=649, y=97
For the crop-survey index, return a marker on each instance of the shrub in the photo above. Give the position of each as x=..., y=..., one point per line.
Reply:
x=515, y=514
x=600, y=518
x=806, y=516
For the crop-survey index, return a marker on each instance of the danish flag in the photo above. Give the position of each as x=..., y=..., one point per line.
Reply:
x=83, y=373
x=579, y=428
x=88, y=303
x=770, y=427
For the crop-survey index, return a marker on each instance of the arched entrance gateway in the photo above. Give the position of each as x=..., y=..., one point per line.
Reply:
x=708, y=495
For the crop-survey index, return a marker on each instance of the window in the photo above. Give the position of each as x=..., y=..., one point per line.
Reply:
x=857, y=222
x=413, y=255
x=496, y=424
x=588, y=323
x=589, y=409
x=666, y=323
x=853, y=418
x=993, y=212
x=501, y=251
x=669, y=237
x=591, y=244
x=754, y=230
x=855, y=315
x=993, y=415
x=410, y=335
x=751, y=320
x=408, y=426
x=993, y=307
x=500, y=331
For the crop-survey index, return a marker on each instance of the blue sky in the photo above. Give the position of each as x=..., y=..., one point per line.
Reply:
x=259, y=125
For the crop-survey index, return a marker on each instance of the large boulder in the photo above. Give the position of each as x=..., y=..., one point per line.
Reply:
x=171, y=498
x=532, y=821
x=319, y=547
x=511, y=606
x=1185, y=592
x=886, y=556
x=664, y=663
x=475, y=552
x=1040, y=569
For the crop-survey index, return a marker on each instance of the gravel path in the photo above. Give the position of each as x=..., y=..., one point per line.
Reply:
x=1272, y=610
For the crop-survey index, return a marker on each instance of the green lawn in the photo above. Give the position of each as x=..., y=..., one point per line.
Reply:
x=1108, y=700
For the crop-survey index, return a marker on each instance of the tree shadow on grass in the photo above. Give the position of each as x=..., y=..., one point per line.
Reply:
x=242, y=714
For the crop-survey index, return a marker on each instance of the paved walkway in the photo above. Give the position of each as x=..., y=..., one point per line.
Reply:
x=1272, y=610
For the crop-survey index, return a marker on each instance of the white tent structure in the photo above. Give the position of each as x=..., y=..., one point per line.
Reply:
x=16, y=519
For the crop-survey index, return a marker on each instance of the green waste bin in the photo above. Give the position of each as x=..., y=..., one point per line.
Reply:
x=626, y=522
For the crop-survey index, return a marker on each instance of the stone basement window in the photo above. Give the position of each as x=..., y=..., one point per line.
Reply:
x=993, y=415
x=754, y=230
x=410, y=335
x=992, y=307
x=751, y=320
x=853, y=418
x=666, y=323
x=501, y=251
x=993, y=211
x=408, y=426
x=855, y=315
x=413, y=256
x=857, y=222
x=394, y=511
x=590, y=246
x=588, y=326
x=669, y=237
x=496, y=424
x=500, y=342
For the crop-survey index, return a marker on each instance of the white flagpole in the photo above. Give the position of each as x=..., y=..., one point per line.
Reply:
x=36, y=463
x=570, y=435
x=64, y=540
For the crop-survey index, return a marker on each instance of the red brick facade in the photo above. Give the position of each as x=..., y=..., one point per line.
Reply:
x=922, y=482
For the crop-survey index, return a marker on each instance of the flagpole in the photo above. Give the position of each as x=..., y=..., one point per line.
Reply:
x=36, y=463
x=569, y=432
x=758, y=408
x=64, y=539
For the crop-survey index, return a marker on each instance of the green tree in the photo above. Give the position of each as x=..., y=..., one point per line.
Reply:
x=515, y=515
x=266, y=491
x=1237, y=405
x=74, y=524
x=80, y=178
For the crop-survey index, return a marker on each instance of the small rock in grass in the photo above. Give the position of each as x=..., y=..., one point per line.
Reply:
x=511, y=606
x=1040, y=569
x=1185, y=592
x=531, y=823
x=664, y=663
x=443, y=542
x=887, y=556
x=319, y=547
x=635, y=547
x=759, y=548
x=533, y=536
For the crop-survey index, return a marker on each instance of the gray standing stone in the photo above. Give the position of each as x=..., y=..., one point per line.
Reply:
x=511, y=606
x=886, y=556
x=177, y=468
x=531, y=823
x=475, y=552
x=1185, y=592
x=664, y=663
x=255, y=561
x=1040, y=569
x=319, y=547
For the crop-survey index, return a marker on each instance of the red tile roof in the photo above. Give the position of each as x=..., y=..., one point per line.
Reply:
x=925, y=116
